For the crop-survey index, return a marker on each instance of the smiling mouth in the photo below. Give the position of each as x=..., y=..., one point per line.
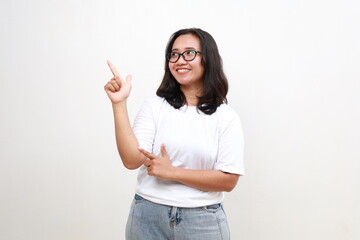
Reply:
x=183, y=70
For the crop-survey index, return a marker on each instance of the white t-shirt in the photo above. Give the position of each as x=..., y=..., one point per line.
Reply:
x=193, y=140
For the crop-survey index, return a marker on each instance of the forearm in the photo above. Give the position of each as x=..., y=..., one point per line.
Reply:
x=126, y=141
x=206, y=180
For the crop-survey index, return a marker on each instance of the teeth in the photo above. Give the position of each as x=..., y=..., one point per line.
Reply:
x=183, y=70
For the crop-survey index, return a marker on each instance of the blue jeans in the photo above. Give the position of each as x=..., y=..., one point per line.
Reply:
x=152, y=221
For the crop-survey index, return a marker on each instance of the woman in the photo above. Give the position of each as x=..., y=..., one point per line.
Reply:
x=186, y=141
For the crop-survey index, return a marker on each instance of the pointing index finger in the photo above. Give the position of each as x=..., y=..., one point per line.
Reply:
x=113, y=68
x=146, y=153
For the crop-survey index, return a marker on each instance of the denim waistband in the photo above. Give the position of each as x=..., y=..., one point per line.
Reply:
x=212, y=206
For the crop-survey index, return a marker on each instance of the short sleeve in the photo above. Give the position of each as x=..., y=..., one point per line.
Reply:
x=144, y=126
x=231, y=143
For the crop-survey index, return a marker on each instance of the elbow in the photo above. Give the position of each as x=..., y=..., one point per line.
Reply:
x=231, y=182
x=131, y=162
x=131, y=166
x=229, y=188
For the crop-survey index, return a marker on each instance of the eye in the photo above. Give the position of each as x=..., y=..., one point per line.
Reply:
x=174, y=54
x=190, y=52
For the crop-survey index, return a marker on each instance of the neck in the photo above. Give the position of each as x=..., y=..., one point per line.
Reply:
x=191, y=94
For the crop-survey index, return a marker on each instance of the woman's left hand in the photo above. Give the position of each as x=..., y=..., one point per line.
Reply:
x=159, y=166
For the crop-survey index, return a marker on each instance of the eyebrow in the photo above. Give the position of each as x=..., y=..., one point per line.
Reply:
x=187, y=48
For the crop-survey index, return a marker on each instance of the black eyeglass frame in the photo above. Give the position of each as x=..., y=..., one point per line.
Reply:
x=182, y=54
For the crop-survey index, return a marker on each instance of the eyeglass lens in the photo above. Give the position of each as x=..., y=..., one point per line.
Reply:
x=188, y=55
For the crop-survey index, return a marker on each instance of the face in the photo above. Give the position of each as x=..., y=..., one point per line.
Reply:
x=187, y=73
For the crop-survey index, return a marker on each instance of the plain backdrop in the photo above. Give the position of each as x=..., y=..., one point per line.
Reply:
x=293, y=70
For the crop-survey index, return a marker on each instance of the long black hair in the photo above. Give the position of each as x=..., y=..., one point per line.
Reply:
x=215, y=84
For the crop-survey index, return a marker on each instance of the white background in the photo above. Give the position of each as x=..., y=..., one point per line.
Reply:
x=293, y=68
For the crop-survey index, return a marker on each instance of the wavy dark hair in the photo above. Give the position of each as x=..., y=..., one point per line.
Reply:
x=215, y=84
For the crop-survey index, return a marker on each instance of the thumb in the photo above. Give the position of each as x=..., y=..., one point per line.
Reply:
x=128, y=79
x=163, y=151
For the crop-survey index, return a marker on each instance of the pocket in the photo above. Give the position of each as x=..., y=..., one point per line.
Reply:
x=138, y=198
x=213, y=207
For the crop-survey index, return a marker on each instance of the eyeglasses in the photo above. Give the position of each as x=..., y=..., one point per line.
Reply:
x=188, y=56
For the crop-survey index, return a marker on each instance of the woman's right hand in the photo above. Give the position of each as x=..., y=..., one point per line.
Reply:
x=117, y=89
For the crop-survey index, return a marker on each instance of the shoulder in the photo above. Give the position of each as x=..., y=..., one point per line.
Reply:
x=154, y=101
x=150, y=110
x=227, y=112
x=154, y=104
x=228, y=117
x=229, y=123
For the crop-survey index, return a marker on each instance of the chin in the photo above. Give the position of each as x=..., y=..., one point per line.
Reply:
x=183, y=81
